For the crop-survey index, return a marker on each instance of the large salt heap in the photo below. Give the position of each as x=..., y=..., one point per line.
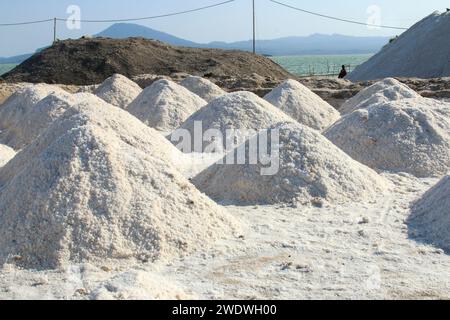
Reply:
x=430, y=216
x=22, y=101
x=411, y=135
x=6, y=154
x=383, y=91
x=422, y=51
x=203, y=88
x=118, y=90
x=310, y=170
x=303, y=105
x=165, y=105
x=97, y=185
x=238, y=110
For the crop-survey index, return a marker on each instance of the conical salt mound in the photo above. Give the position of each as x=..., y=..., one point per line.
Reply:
x=383, y=91
x=310, y=169
x=238, y=110
x=411, y=136
x=22, y=101
x=303, y=105
x=203, y=88
x=165, y=105
x=89, y=190
x=431, y=215
x=422, y=51
x=6, y=154
x=118, y=90
x=37, y=119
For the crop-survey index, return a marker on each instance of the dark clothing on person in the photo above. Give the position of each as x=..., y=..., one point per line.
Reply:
x=343, y=73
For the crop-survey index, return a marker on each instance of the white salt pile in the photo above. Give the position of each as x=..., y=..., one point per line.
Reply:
x=33, y=122
x=311, y=170
x=118, y=90
x=22, y=101
x=165, y=105
x=411, y=135
x=6, y=154
x=203, y=88
x=303, y=105
x=97, y=185
x=383, y=91
x=238, y=110
x=139, y=285
x=431, y=215
x=423, y=52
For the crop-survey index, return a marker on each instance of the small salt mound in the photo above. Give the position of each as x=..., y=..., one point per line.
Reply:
x=139, y=285
x=6, y=154
x=98, y=185
x=203, y=88
x=311, y=169
x=165, y=105
x=238, y=110
x=303, y=105
x=383, y=91
x=411, y=136
x=118, y=91
x=431, y=215
x=22, y=101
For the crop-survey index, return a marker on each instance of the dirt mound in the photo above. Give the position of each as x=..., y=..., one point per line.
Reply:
x=430, y=218
x=311, y=169
x=303, y=105
x=204, y=88
x=165, y=105
x=99, y=185
x=6, y=154
x=22, y=101
x=91, y=61
x=422, y=51
x=383, y=91
x=411, y=135
x=238, y=110
x=118, y=91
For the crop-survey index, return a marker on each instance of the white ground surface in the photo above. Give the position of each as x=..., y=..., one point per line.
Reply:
x=355, y=251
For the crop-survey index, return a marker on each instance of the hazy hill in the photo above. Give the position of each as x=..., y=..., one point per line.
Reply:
x=129, y=30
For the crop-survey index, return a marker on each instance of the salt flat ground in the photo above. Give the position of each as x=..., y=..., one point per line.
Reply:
x=354, y=251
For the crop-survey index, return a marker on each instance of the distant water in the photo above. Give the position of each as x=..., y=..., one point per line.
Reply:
x=320, y=65
x=6, y=67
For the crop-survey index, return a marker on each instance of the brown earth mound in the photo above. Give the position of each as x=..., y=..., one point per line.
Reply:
x=89, y=61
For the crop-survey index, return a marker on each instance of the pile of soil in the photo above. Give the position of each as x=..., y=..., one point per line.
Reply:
x=90, y=61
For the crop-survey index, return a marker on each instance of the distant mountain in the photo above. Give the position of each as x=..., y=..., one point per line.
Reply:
x=311, y=45
x=127, y=30
x=15, y=59
x=314, y=44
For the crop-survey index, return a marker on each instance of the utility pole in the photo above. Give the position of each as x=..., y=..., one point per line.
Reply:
x=54, y=30
x=254, y=28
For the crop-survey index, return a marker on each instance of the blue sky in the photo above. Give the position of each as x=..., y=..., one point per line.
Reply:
x=231, y=22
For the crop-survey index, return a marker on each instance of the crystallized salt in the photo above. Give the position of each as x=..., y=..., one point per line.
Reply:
x=165, y=105
x=303, y=105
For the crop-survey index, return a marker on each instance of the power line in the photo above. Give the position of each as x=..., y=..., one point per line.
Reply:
x=24, y=23
x=120, y=20
x=153, y=17
x=335, y=18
